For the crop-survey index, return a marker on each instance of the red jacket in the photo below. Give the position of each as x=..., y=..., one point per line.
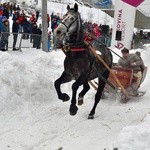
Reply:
x=33, y=18
x=20, y=18
x=1, y=12
x=96, y=32
x=88, y=37
x=48, y=18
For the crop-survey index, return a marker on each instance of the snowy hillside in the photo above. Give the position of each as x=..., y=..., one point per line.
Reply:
x=87, y=14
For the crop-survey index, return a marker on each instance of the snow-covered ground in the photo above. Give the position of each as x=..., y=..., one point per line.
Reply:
x=32, y=117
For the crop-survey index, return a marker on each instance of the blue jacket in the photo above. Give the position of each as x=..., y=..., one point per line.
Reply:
x=1, y=26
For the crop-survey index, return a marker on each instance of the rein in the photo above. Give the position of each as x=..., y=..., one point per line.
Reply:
x=99, y=42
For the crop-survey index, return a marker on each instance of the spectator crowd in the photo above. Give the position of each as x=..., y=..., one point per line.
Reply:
x=28, y=26
x=22, y=23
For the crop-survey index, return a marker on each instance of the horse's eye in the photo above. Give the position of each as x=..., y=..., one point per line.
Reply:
x=71, y=18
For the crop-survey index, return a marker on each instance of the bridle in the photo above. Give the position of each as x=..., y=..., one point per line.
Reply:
x=68, y=27
x=72, y=38
x=77, y=32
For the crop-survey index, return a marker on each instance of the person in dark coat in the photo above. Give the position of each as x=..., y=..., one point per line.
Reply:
x=26, y=26
x=34, y=32
x=5, y=35
x=15, y=16
x=39, y=32
x=37, y=37
x=15, y=30
x=6, y=13
x=11, y=9
x=18, y=8
x=14, y=7
x=1, y=26
x=37, y=15
x=142, y=66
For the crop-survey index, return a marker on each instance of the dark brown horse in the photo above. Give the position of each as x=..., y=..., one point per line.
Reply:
x=80, y=64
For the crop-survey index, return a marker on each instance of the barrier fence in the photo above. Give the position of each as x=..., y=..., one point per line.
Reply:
x=23, y=40
x=27, y=40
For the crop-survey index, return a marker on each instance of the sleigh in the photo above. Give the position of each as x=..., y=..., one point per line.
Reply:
x=126, y=80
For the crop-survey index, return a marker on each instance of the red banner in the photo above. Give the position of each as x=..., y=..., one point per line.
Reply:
x=134, y=3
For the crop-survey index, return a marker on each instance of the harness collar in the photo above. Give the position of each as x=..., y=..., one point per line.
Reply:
x=75, y=48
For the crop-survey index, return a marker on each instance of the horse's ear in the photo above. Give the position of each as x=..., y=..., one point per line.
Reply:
x=76, y=7
x=68, y=7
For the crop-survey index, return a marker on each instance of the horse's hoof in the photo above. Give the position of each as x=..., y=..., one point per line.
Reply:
x=80, y=101
x=73, y=110
x=64, y=97
x=91, y=117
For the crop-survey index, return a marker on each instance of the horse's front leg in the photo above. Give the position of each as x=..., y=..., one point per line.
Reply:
x=86, y=88
x=73, y=108
x=63, y=79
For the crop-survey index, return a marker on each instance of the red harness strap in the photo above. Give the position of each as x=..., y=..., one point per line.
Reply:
x=79, y=49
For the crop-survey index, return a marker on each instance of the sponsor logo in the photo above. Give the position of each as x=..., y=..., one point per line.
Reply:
x=119, y=45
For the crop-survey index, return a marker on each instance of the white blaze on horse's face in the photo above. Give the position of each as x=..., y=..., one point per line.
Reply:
x=60, y=30
x=67, y=25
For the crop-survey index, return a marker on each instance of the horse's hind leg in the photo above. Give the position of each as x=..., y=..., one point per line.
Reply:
x=63, y=79
x=86, y=87
x=98, y=95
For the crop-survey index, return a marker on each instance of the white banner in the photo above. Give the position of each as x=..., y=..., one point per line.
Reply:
x=123, y=27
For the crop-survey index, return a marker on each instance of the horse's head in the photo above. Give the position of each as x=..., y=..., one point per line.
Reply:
x=70, y=29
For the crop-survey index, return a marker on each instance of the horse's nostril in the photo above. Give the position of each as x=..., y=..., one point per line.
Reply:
x=58, y=32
